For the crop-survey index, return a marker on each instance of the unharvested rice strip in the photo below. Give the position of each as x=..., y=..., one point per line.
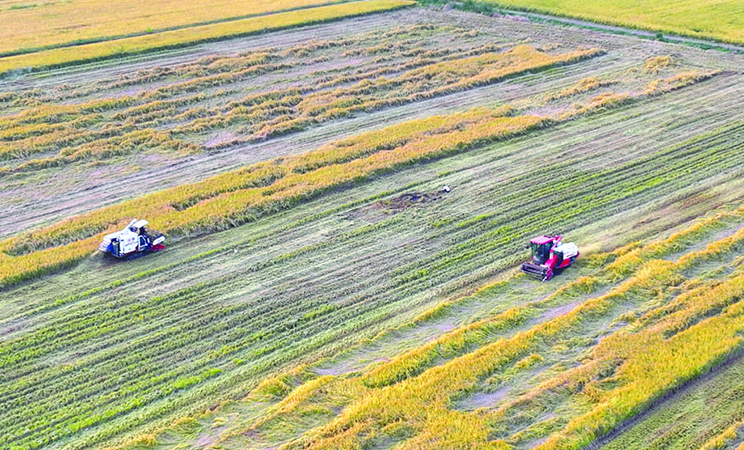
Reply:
x=418, y=360
x=91, y=244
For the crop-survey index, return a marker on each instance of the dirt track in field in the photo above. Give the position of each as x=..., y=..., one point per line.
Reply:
x=45, y=196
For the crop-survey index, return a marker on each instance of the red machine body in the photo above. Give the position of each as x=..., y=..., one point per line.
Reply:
x=548, y=255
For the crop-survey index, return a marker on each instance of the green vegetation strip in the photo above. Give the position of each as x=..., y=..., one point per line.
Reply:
x=190, y=36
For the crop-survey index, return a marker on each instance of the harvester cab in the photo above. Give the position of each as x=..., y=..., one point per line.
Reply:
x=540, y=247
x=548, y=255
x=133, y=241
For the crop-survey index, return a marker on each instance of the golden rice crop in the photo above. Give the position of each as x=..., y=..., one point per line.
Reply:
x=652, y=365
x=36, y=26
x=413, y=362
x=720, y=20
x=720, y=441
x=645, y=363
x=194, y=34
x=225, y=201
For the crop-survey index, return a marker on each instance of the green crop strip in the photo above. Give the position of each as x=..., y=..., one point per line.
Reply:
x=420, y=400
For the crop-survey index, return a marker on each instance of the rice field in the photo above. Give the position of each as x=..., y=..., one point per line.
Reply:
x=719, y=20
x=101, y=49
x=31, y=27
x=556, y=372
x=320, y=290
x=100, y=46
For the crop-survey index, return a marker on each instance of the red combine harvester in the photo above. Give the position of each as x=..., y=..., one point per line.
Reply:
x=548, y=255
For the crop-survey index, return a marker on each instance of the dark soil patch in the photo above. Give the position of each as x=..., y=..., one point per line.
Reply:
x=407, y=200
x=381, y=209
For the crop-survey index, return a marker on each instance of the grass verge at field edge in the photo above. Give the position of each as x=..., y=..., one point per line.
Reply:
x=66, y=56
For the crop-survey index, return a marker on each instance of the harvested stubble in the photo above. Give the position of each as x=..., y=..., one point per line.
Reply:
x=227, y=200
x=78, y=132
x=165, y=39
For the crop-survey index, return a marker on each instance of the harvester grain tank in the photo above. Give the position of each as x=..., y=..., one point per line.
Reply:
x=133, y=241
x=548, y=255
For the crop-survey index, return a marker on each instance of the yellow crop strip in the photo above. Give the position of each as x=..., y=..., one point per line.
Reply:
x=236, y=197
x=192, y=35
x=720, y=20
x=29, y=25
x=654, y=364
x=414, y=361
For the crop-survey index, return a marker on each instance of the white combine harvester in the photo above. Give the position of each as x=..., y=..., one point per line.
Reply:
x=133, y=241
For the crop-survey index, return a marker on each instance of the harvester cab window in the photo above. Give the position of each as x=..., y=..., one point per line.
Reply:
x=540, y=252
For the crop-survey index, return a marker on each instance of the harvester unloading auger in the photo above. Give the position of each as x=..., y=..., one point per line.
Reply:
x=548, y=255
x=133, y=241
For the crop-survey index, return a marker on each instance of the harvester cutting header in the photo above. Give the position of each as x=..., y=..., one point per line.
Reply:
x=548, y=255
x=133, y=241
